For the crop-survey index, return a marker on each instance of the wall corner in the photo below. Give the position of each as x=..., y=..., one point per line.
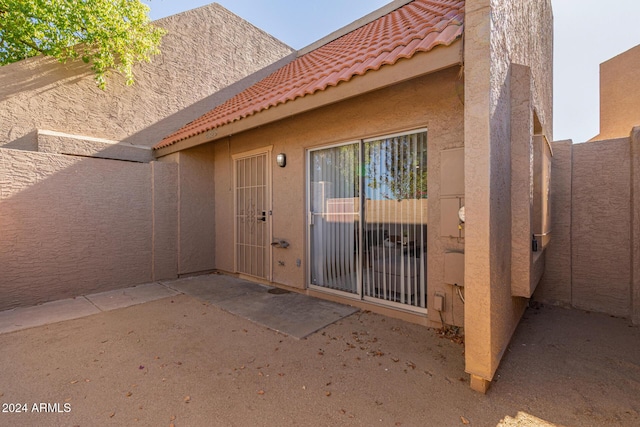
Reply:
x=556, y=283
x=635, y=225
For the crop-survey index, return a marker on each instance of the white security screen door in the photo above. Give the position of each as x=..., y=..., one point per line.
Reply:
x=367, y=219
x=252, y=214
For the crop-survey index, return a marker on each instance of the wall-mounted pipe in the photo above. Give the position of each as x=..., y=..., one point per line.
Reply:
x=279, y=243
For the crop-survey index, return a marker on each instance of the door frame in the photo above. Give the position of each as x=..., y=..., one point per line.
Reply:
x=269, y=207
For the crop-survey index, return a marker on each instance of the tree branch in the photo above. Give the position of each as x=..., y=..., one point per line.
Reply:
x=32, y=46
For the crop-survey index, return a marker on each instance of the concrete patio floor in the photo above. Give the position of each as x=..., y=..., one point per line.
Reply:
x=183, y=361
x=294, y=314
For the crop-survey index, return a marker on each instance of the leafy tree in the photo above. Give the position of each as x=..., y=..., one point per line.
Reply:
x=108, y=34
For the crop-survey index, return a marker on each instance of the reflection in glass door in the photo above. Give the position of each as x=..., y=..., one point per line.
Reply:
x=395, y=219
x=375, y=192
x=334, y=217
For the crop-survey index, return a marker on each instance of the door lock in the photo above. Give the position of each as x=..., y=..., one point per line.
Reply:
x=263, y=218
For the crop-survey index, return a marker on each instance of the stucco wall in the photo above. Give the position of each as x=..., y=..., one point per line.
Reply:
x=206, y=50
x=600, y=233
x=74, y=225
x=498, y=33
x=593, y=257
x=196, y=215
x=635, y=225
x=619, y=101
x=165, y=220
x=556, y=281
x=431, y=101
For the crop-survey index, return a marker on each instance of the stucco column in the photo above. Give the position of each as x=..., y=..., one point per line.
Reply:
x=498, y=34
x=635, y=225
x=477, y=134
x=521, y=180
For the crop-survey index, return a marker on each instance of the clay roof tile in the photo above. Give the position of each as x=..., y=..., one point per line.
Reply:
x=418, y=26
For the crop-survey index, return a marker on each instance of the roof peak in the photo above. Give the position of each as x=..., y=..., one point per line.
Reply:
x=360, y=22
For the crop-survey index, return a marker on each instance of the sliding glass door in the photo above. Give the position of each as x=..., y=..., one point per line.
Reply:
x=334, y=217
x=368, y=219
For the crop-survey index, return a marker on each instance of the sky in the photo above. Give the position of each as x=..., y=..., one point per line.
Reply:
x=586, y=33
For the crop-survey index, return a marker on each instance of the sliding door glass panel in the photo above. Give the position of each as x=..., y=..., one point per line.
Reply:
x=395, y=219
x=334, y=202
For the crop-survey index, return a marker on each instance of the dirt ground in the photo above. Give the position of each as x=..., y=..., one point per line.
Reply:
x=180, y=362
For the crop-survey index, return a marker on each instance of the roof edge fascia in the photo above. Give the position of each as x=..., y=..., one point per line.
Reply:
x=422, y=63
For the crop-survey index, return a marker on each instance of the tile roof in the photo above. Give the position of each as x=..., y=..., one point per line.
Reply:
x=418, y=26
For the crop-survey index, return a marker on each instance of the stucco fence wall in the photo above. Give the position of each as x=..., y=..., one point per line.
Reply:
x=74, y=225
x=593, y=261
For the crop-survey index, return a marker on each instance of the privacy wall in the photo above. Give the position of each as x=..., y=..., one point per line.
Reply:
x=73, y=225
x=593, y=261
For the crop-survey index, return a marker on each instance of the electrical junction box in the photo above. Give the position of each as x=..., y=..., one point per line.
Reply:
x=452, y=172
x=451, y=192
x=438, y=302
x=450, y=225
x=454, y=268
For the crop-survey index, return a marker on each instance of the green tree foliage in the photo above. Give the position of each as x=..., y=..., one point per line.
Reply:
x=108, y=34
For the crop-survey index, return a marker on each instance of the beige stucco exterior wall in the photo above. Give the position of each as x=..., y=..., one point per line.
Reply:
x=600, y=233
x=206, y=51
x=619, y=101
x=72, y=225
x=635, y=225
x=70, y=228
x=164, y=193
x=593, y=259
x=498, y=33
x=527, y=266
x=196, y=215
x=431, y=101
x=556, y=281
